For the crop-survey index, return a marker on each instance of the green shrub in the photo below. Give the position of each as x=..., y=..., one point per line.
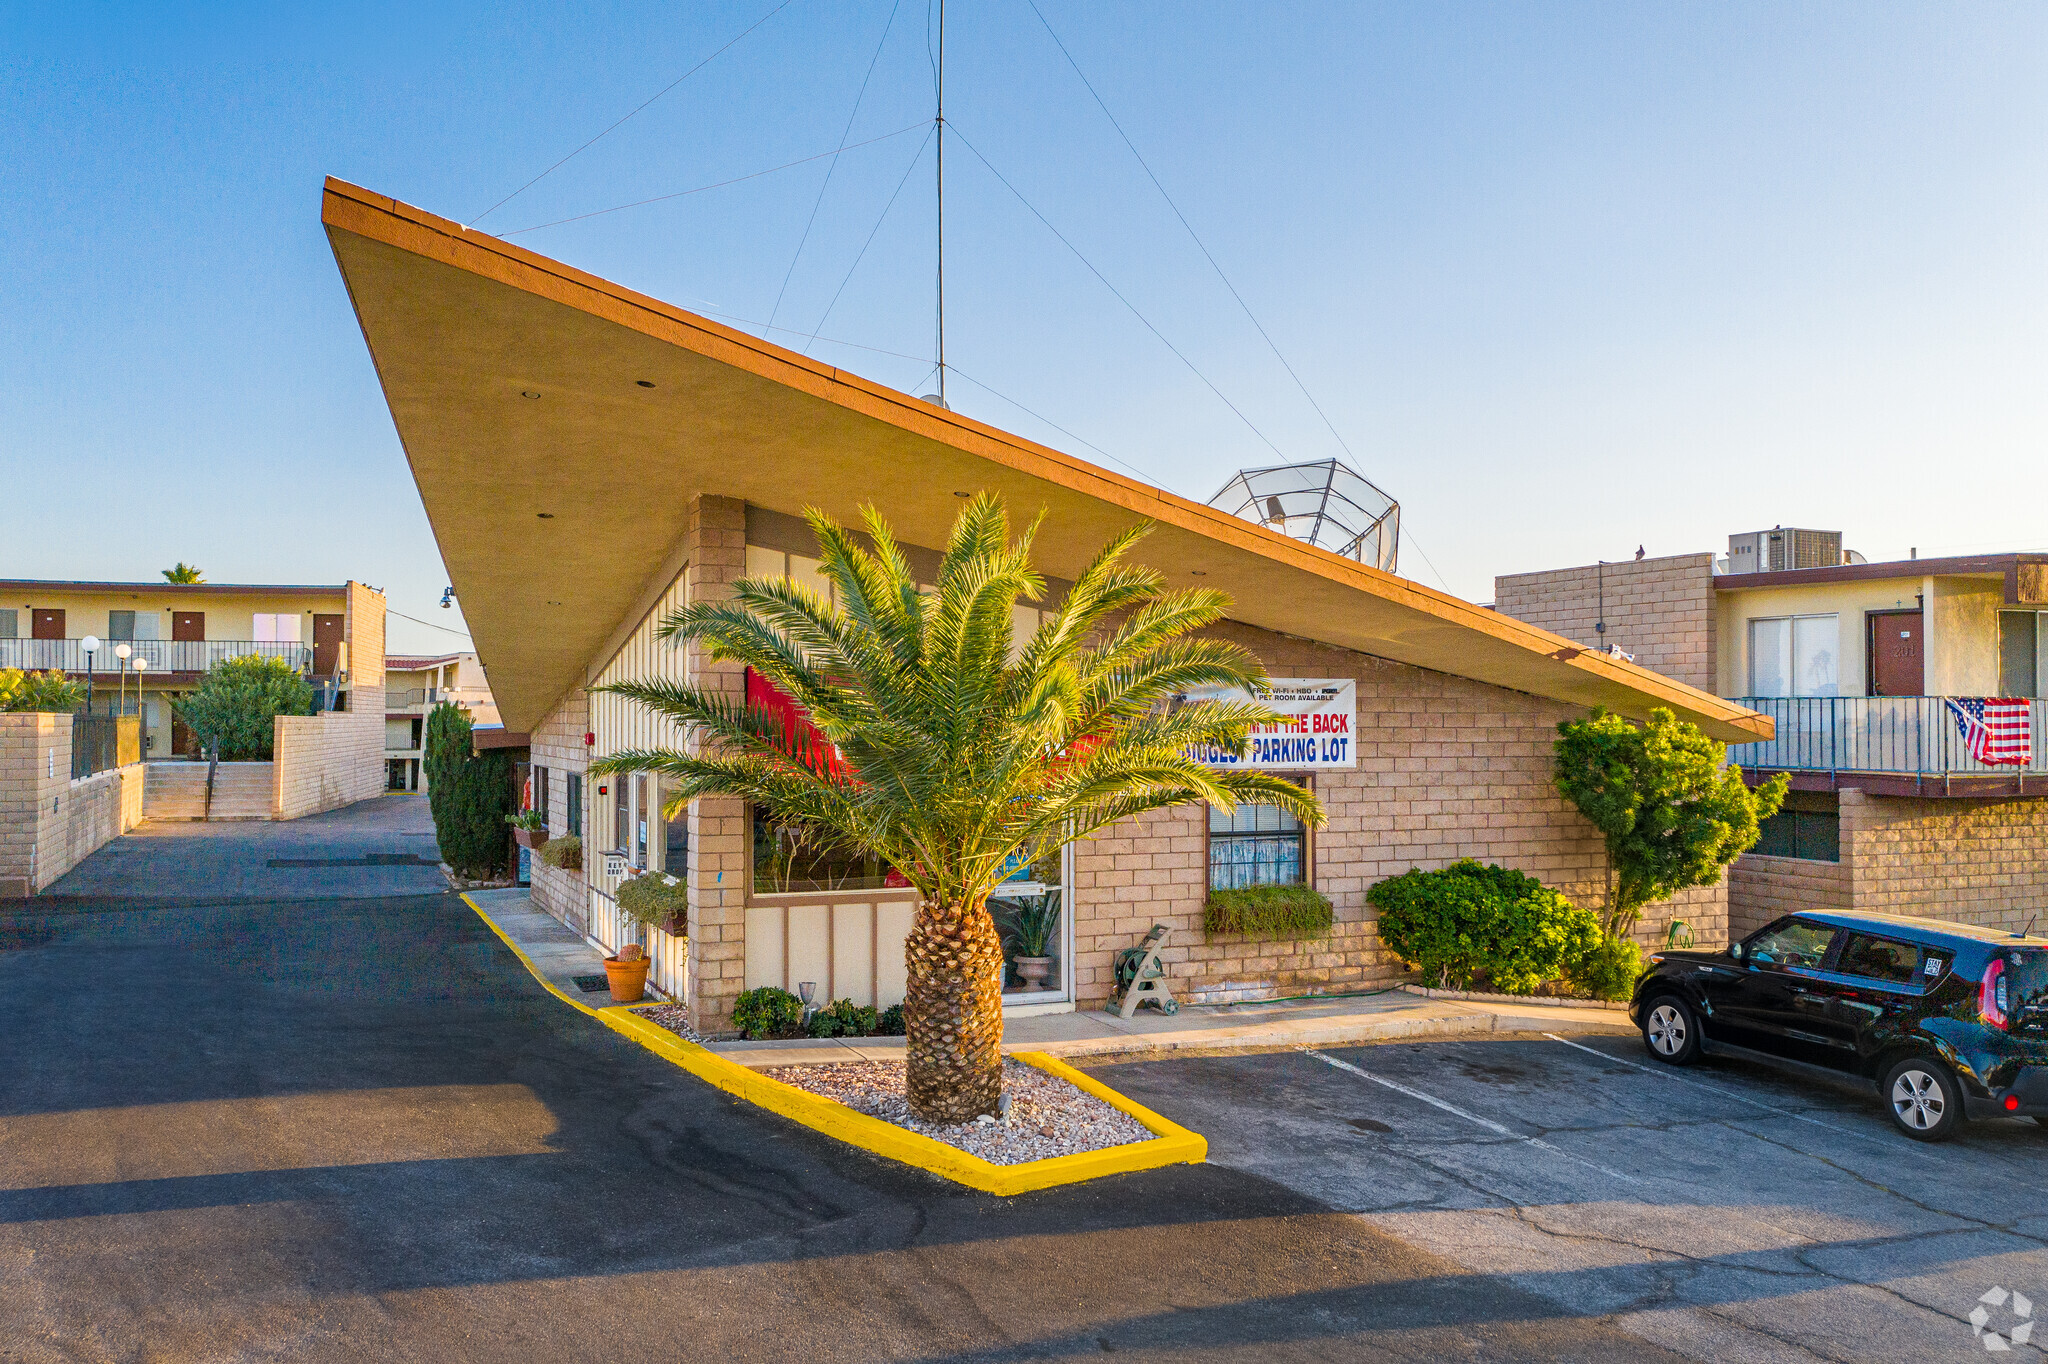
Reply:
x=844, y=1018
x=236, y=703
x=469, y=793
x=50, y=691
x=891, y=1022
x=654, y=898
x=563, y=854
x=1609, y=971
x=767, y=1012
x=1468, y=921
x=1269, y=912
x=532, y=821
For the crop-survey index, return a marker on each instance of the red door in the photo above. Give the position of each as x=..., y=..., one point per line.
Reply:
x=46, y=625
x=1898, y=652
x=326, y=645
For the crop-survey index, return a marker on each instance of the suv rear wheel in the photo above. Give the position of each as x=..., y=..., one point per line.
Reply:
x=1671, y=1031
x=1923, y=1099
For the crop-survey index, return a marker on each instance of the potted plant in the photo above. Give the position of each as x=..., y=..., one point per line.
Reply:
x=626, y=973
x=529, y=828
x=1031, y=928
x=658, y=900
x=564, y=853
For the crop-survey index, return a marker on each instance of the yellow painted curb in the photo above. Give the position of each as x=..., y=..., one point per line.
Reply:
x=1171, y=1144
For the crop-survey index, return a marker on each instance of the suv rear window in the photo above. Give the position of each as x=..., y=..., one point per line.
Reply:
x=1895, y=963
x=2029, y=991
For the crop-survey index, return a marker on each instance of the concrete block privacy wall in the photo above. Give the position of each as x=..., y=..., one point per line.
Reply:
x=1660, y=610
x=323, y=762
x=50, y=823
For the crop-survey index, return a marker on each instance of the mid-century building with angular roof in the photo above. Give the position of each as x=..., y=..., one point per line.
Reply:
x=590, y=458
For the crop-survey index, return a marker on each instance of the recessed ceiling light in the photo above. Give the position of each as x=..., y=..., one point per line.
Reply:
x=1199, y=572
x=529, y=393
x=645, y=383
x=963, y=494
x=545, y=516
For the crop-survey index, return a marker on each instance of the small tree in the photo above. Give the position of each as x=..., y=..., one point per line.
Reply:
x=1672, y=814
x=50, y=691
x=184, y=573
x=470, y=794
x=237, y=701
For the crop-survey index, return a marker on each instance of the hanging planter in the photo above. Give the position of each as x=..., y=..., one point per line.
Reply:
x=658, y=900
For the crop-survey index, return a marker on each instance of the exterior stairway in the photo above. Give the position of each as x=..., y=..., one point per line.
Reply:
x=177, y=790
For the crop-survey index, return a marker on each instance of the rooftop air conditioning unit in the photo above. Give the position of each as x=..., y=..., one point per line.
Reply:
x=1782, y=548
x=1327, y=504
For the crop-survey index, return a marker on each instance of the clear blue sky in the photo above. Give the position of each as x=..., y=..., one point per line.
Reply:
x=1568, y=278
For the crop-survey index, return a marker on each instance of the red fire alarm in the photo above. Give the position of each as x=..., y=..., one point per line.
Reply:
x=589, y=739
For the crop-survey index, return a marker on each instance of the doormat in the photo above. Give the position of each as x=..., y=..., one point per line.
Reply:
x=590, y=985
x=367, y=860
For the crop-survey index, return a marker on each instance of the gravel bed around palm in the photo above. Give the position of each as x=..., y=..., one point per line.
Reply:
x=674, y=1017
x=1047, y=1115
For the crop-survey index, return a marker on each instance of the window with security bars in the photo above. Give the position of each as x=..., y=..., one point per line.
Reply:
x=1256, y=845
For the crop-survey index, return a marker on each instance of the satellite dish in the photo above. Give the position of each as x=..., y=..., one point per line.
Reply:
x=1325, y=503
x=936, y=401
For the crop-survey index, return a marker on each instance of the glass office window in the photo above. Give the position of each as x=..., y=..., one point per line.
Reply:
x=1256, y=845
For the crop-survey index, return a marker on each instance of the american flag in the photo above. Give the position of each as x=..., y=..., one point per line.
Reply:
x=1995, y=728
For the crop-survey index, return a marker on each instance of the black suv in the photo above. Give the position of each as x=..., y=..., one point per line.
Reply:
x=1949, y=1021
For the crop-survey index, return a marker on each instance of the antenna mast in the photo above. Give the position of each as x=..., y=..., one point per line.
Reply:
x=940, y=120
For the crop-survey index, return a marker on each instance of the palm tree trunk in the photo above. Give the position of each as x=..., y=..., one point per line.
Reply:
x=953, y=1013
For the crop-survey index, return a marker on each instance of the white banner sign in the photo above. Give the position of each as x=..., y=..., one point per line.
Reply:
x=1322, y=713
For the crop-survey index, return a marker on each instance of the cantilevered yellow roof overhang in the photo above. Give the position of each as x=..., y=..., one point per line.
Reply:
x=463, y=327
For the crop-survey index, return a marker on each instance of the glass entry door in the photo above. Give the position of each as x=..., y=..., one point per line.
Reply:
x=1032, y=915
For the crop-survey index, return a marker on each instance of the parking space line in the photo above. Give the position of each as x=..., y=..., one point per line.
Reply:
x=1889, y=1145
x=1456, y=1111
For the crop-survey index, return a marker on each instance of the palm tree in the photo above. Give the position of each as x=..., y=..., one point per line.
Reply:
x=953, y=755
x=184, y=573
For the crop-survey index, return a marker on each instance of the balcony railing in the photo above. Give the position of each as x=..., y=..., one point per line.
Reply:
x=412, y=696
x=1904, y=734
x=164, y=655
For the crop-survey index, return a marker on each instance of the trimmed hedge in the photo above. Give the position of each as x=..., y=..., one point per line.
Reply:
x=844, y=1018
x=1269, y=912
x=654, y=898
x=1609, y=971
x=237, y=702
x=470, y=794
x=767, y=1012
x=563, y=854
x=1469, y=921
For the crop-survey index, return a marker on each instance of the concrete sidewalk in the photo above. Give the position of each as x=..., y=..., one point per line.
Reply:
x=1318, y=1022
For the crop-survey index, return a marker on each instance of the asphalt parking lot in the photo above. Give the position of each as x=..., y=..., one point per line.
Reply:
x=1726, y=1212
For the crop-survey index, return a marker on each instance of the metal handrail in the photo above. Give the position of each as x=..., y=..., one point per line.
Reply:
x=1905, y=734
x=163, y=655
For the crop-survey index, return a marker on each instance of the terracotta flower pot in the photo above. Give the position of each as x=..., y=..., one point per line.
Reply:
x=1032, y=971
x=628, y=979
x=529, y=838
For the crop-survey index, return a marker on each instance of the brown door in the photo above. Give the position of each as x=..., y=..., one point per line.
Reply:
x=183, y=742
x=1897, y=653
x=188, y=625
x=326, y=645
x=46, y=625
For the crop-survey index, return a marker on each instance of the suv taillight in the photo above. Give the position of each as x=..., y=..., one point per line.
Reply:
x=1993, y=996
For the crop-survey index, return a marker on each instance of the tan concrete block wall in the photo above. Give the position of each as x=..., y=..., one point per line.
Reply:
x=1974, y=861
x=323, y=762
x=557, y=745
x=1448, y=768
x=1761, y=889
x=720, y=850
x=363, y=630
x=48, y=822
x=1660, y=610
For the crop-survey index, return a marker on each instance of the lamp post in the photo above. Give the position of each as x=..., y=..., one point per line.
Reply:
x=91, y=645
x=141, y=724
x=121, y=651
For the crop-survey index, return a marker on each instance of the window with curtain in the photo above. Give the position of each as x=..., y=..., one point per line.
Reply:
x=1795, y=656
x=1256, y=845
